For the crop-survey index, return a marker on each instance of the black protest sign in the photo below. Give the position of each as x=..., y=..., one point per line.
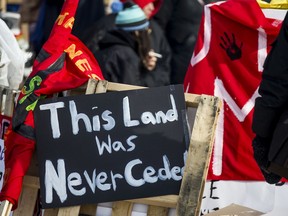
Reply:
x=110, y=146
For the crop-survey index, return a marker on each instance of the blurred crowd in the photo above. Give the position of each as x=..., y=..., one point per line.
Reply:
x=140, y=42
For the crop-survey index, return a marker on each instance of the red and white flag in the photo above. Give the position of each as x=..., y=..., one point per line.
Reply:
x=233, y=42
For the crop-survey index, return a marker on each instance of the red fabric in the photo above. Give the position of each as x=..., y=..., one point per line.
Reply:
x=143, y=3
x=18, y=153
x=77, y=66
x=235, y=80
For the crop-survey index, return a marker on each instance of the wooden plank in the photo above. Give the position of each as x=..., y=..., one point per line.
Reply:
x=88, y=209
x=191, y=192
x=25, y=31
x=33, y=169
x=51, y=212
x=122, y=87
x=2, y=102
x=157, y=211
x=69, y=211
x=9, y=102
x=169, y=201
x=28, y=196
x=3, y=5
x=27, y=199
x=5, y=208
x=192, y=100
x=122, y=208
x=31, y=181
x=91, y=87
x=101, y=86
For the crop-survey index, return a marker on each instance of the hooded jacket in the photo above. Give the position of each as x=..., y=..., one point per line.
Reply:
x=120, y=62
x=273, y=86
x=119, y=46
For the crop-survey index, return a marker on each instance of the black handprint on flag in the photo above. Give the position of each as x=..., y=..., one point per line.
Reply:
x=229, y=45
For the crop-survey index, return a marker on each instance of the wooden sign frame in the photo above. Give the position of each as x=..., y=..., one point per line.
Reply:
x=188, y=202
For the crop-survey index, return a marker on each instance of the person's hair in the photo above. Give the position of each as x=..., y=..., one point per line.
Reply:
x=143, y=39
x=132, y=19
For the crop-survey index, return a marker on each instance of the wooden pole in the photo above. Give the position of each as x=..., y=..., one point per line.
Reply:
x=3, y=5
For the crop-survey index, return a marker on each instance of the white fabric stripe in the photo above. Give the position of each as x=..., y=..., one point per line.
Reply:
x=219, y=134
x=239, y=113
x=207, y=35
x=262, y=48
x=207, y=38
x=221, y=92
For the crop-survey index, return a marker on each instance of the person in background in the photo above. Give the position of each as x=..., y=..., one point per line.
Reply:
x=133, y=53
x=98, y=30
x=273, y=101
x=180, y=20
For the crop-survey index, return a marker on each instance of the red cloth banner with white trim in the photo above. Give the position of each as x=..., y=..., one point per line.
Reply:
x=233, y=42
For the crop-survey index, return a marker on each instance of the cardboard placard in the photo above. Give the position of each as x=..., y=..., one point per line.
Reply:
x=111, y=146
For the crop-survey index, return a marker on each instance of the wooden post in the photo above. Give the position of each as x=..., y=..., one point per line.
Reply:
x=194, y=177
x=2, y=102
x=9, y=102
x=3, y=5
x=5, y=208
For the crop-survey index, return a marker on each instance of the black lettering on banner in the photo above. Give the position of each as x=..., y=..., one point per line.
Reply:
x=211, y=196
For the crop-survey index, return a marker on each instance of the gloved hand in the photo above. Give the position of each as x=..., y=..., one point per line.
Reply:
x=260, y=149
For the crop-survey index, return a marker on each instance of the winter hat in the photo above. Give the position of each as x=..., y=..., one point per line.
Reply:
x=131, y=19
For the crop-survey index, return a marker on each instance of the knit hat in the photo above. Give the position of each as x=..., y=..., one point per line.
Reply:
x=131, y=19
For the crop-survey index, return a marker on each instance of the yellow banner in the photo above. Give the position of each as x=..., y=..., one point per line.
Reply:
x=276, y=4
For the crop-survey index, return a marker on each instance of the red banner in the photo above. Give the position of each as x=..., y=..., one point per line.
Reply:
x=233, y=42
